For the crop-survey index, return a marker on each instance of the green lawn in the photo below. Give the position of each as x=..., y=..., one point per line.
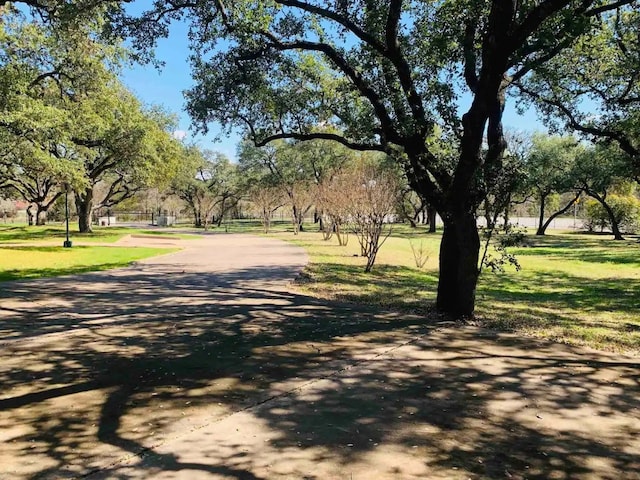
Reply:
x=580, y=289
x=56, y=231
x=37, y=258
x=19, y=263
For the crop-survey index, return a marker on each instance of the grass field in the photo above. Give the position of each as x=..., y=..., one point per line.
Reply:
x=574, y=288
x=53, y=232
x=19, y=262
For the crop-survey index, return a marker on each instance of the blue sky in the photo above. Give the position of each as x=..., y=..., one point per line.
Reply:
x=165, y=87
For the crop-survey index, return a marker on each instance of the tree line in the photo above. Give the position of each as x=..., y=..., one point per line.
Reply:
x=348, y=192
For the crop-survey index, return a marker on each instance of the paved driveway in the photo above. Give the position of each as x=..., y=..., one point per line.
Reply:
x=206, y=364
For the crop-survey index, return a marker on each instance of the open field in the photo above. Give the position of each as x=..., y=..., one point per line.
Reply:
x=573, y=288
x=35, y=252
x=20, y=263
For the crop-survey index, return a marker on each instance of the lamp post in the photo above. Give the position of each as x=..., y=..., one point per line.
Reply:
x=67, y=243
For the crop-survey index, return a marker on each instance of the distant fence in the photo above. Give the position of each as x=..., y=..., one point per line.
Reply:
x=135, y=217
x=560, y=223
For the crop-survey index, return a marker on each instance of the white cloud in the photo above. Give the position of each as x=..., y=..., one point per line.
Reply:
x=179, y=134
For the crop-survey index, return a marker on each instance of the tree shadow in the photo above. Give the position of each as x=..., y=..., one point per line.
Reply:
x=594, y=251
x=154, y=353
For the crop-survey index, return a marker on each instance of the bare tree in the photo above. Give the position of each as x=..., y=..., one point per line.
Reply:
x=266, y=199
x=370, y=201
x=7, y=209
x=300, y=200
x=331, y=199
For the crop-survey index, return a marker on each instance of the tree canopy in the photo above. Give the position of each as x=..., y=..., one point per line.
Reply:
x=67, y=121
x=592, y=87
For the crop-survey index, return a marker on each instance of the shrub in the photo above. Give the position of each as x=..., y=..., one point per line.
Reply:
x=7, y=209
x=512, y=236
x=420, y=254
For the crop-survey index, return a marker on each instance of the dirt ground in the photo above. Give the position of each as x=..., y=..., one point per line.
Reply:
x=206, y=364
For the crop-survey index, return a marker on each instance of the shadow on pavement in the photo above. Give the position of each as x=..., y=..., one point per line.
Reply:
x=320, y=389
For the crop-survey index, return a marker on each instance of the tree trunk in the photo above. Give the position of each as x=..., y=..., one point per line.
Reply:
x=297, y=217
x=294, y=219
x=30, y=216
x=343, y=237
x=411, y=218
x=84, y=206
x=41, y=215
x=222, y=212
x=197, y=217
x=266, y=220
x=615, y=227
x=431, y=219
x=541, y=227
x=544, y=227
x=506, y=211
x=488, y=216
x=459, y=252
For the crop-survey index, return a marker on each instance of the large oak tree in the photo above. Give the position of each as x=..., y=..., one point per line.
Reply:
x=79, y=127
x=387, y=75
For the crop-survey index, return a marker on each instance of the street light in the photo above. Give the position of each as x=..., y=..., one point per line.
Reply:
x=67, y=243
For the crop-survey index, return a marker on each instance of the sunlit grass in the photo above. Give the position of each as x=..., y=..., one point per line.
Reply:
x=19, y=263
x=56, y=232
x=580, y=289
x=39, y=258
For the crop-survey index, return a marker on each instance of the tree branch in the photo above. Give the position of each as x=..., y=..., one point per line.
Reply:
x=605, y=8
x=390, y=50
x=358, y=81
x=470, y=59
x=322, y=136
x=536, y=17
x=619, y=137
x=540, y=60
x=340, y=19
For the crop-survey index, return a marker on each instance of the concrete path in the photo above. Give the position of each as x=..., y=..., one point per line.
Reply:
x=206, y=364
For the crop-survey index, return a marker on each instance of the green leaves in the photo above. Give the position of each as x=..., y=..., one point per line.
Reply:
x=592, y=86
x=551, y=163
x=66, y=118
x=208, y=182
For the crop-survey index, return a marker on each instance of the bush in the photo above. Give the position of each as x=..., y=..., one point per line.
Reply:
x=7, y=209
x=512, y=236
x=626, y=210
